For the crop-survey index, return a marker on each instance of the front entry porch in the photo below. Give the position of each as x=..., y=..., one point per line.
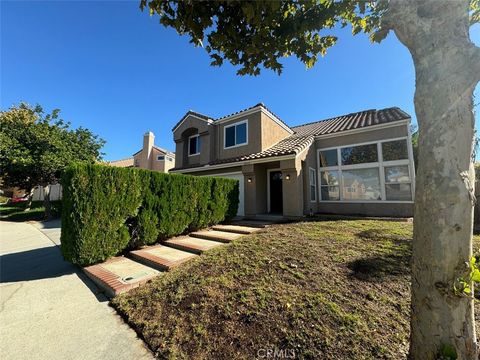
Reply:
x=273, y=189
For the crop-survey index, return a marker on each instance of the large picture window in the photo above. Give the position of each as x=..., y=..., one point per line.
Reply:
x=236, y=134
x=359, y=154
x=194, y=145
x=361, y=184
x=378, y=171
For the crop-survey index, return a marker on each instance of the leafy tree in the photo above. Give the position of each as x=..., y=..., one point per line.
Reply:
x=257, y=34
x=35, y=147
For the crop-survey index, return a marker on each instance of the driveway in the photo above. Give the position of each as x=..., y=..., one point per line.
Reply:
x=49, y=309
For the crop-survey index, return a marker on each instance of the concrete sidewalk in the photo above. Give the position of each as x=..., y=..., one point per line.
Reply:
x=49, y=309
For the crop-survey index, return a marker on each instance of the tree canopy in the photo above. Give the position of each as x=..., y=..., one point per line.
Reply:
x=36, y=146
x=255, y=34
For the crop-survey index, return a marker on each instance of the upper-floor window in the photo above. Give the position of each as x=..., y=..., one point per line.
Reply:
x=169, y=159
x=194, y=145
x=236, y=134
x=160, y=157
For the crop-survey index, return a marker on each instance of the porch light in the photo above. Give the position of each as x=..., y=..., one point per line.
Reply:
x=287, y=177
x=249, y=180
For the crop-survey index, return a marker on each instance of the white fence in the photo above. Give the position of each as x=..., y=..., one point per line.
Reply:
x=55, y=193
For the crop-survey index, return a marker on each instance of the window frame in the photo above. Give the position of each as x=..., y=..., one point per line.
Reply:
x=235, y=125
x=198, y=144
x=310, y=171
x=380, y=165
x=159, y=156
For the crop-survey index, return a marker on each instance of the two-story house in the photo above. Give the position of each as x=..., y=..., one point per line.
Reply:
x=149, y=157
x=360, y=163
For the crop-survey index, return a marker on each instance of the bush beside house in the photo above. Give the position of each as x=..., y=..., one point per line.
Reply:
x=108, y=209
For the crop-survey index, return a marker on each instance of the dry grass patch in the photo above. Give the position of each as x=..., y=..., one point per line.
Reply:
x=324, y=289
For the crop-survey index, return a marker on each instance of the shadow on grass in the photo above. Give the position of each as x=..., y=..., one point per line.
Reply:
x=381, y=266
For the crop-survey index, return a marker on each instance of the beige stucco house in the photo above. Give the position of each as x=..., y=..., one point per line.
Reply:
x=150, y=157
x=359, y=163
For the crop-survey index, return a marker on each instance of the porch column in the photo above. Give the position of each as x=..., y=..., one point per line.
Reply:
x=292, y=188
x=250, y=192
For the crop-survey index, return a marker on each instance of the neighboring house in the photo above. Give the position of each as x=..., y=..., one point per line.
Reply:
x=150, y=157
x=360, y=163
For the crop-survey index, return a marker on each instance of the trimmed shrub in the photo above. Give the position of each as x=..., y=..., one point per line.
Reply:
x=107, y=210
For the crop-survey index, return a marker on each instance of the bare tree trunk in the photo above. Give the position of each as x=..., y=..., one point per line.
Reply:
x=30, y=199
x=447, y=68
x=46, y=202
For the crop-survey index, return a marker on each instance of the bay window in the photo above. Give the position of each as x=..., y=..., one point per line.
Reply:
x=379, y=171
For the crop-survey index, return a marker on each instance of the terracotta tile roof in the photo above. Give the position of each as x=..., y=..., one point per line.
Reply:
x=351, y=121
x=121, y=163
x=206, y=118
x=293, y=144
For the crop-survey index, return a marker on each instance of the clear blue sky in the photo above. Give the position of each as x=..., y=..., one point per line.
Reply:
x=115, y=70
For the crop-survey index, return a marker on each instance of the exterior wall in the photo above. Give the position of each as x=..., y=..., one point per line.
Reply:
x=262, y=132
x=271, y=133
x=309, y=162
x=190, y=126
x=254, y=138
x=367, y=209
x=162, y=165
x=293, y=198
x=362, y=137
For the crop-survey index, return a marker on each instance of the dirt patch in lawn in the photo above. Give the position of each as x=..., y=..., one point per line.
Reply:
x=324, y=289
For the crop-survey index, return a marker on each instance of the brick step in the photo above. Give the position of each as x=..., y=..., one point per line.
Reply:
x=192, y=244
x=161, y=257
x=119, y=275
x=252, y=223
x=215, y=235
x=237, y=229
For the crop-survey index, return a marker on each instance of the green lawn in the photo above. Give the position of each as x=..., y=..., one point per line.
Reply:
x=324, y=289
x=17, y=212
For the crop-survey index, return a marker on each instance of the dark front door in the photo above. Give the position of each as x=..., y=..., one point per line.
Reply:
x=276, y=195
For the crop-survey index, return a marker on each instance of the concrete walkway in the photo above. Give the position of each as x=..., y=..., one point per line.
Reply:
x=49, y=309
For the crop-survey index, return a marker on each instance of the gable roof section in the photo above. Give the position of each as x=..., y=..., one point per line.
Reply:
x=166, y=152
x=226, y=117
x=193, y=113
x=352, y=121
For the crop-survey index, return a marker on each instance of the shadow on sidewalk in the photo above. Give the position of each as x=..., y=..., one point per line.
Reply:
x=41, y=263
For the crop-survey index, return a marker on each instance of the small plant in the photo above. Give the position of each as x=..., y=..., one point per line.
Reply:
x=463, y=284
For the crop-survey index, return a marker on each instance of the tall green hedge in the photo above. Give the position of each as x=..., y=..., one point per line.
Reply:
x=108, y=209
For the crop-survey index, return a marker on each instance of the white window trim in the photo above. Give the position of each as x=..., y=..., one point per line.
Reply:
x=314, y=184
x=160, y=159
x=234, y=125
x=380, y=165
x=198, y=147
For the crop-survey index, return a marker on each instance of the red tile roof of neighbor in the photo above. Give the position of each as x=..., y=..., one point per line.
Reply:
x=121, y=163
x=303, y=135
